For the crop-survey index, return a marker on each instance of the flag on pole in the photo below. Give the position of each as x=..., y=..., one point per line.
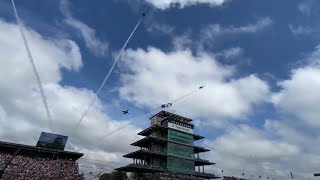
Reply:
x=291, y=175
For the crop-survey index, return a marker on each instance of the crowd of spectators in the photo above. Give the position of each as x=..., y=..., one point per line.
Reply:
x=38, y=168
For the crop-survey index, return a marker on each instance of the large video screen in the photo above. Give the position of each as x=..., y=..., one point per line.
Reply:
x=52, y=141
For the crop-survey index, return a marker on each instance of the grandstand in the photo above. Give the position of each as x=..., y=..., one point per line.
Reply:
x=168, y=150
x=19, y=161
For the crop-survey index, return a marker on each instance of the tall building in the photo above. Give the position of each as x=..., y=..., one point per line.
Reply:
x=168, y=150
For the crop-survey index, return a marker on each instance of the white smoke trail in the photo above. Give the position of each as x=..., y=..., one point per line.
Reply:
x=44, y=99
x=107, y=76
x=184, y=96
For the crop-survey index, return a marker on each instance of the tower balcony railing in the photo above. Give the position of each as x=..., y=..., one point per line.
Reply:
x=146, y=165
x=163, y=152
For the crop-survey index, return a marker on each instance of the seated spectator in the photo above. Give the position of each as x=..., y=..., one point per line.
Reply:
x=29, y=168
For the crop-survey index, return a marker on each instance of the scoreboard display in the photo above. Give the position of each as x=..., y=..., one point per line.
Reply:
x=52, y=141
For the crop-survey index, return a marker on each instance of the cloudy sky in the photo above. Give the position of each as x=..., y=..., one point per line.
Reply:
x=259, y=62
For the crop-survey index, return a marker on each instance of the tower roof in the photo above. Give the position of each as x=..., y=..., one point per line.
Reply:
x=164, y=114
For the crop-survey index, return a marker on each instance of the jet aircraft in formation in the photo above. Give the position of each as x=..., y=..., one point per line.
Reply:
x=126, y=111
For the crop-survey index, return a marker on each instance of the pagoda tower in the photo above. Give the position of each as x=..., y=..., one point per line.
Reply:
x=167, y=150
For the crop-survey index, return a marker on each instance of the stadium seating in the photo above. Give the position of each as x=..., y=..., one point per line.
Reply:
x=38, y=168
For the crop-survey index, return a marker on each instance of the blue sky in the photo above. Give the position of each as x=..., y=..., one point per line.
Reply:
x=259, y=61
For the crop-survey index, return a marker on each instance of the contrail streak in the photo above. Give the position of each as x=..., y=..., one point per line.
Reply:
x=184, y=96
x=44, y=99
x=107, y=76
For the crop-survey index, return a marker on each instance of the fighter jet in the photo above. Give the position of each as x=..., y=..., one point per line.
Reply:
x=201, y=87
x=242, y=174
x=125, y=112
x=143, y=14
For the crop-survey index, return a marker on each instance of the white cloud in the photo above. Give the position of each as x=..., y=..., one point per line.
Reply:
x=245, y=141
x=308, y=157
x=234, y=55
x=165, y=4
x=290, y=151
x=213, y=34
x=154, y=77
x=22, y=115
x=301, y=30
x=299, y=95
x=163, y=28
x=306, y=7
x=215, y=30
x=231, y=53
x=183, y=41
x=93, y=43
x=232, y=151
